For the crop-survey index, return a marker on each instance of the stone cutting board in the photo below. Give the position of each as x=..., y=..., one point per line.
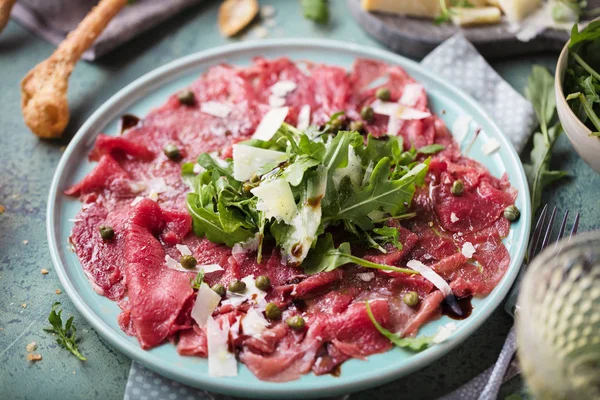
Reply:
x=416, y=37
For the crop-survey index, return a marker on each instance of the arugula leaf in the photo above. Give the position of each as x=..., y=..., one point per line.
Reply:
x=381, y=193
x=196, y=281
x=325, y=257
x=431, y=149
x=316, y=10
x=540, y=91
x=589, y=34
x=538, y=174
x=206, y=222
x=294, y=173
x=414, y=344
x=66, y=336
x=388, y=234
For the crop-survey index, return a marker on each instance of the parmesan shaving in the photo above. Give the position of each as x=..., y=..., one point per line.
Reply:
x=460, y=127
x=254, y=323
x=206, y=303
x=468, y=249
x=276, y=101
x=366, y=276
x=283, y=88
x=453, y=217
x=215, y=108
x=490, y=146
x=411, y=94
x=220, y=361
x=183, y=249
x=270, y=123
x=276, y=199
x=303, y=117
x=429, y=274
x=248, y=160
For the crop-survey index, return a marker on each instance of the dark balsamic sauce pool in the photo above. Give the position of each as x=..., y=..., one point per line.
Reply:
x=464, y=304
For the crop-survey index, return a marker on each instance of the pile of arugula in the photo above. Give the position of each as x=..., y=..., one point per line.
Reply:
x=540, y=92
x=338, y=180
x=582, y=79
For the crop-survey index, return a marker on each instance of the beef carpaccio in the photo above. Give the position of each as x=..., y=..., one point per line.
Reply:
x=139, y=192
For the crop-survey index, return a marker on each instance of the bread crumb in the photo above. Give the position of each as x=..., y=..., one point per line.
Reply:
x=25, y=241
x=2, y=208
x=34, y=357
x=62, y=148
x=1, y=329
x=44, y=271
x=58, y=291
x=31, y=347
x=260, y=32
x=24, y=305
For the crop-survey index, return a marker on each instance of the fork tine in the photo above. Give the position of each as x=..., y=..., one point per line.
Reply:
x=561, y=231
x=539, y=226
x=575, y=227
x=548, y=233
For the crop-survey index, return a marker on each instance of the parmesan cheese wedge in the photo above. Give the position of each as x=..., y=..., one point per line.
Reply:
x=517, y=10
x=417, y=8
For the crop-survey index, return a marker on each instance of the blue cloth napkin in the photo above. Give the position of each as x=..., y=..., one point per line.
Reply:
x=453, y=60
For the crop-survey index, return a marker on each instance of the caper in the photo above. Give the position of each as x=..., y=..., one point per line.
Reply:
x=272, y=312
x=336, y=124
x=186, y=97
x=296, y=322
x=106, y=233
x=263, y=282
x=383, y=94
x=512, y=213
x=188, y=262
x=219, y=289
x=237, y=286
x=357, y=126
x=172, y=152
x=367, y=113
x=411, y=299
x=457, y=188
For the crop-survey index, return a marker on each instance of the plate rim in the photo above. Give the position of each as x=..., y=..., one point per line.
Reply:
x=185, y=64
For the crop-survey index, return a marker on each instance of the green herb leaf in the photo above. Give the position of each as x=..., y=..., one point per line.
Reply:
x=325, y=257
x=414, y=344
x=196, y=281
x=538, y=173
x=316, y=10
x=387, y=234
x=66, y=336
x=431, y=149
x=380, y=193
x=540, y=91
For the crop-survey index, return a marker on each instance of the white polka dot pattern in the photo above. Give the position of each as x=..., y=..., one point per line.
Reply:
x=515, y=117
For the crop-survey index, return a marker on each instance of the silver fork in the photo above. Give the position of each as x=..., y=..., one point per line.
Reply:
x=486, y=385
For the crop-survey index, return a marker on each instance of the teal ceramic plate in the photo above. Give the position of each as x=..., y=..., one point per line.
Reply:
x=152, y=90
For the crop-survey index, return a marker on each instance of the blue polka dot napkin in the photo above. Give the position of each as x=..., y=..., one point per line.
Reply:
x=453, y=60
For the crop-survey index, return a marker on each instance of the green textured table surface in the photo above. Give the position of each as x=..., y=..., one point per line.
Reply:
x=27, y=165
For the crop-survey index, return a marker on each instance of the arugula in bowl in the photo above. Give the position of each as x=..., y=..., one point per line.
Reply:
x=582, y=79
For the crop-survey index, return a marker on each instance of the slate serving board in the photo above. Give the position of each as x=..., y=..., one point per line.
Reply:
x=416, y=37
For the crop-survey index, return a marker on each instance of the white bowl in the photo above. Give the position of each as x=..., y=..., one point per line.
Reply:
x=587, y=146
